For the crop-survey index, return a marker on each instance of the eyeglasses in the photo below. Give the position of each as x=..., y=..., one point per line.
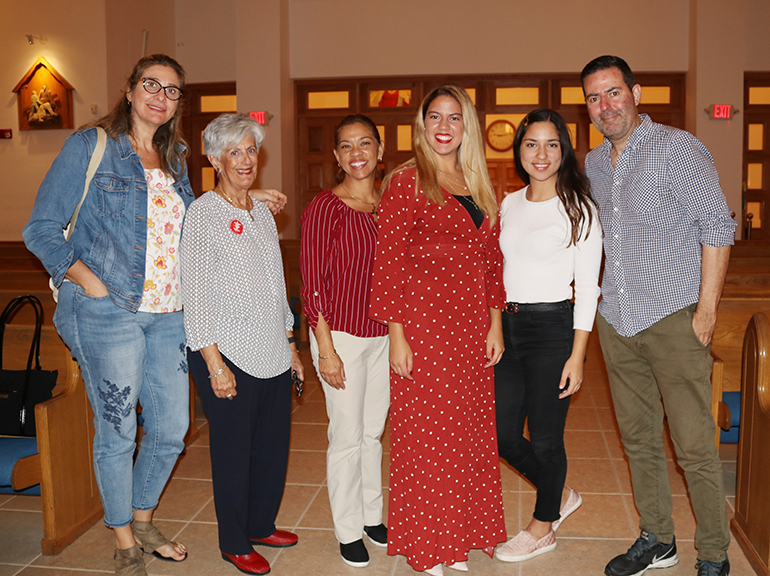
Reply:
x=153, y=87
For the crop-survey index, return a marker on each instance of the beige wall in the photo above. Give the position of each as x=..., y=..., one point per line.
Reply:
x=403, y=37
x=265, y=45
x=719, y=53
x=93, y=44
x=75, y=46
x=206, y=39
x=126, y=23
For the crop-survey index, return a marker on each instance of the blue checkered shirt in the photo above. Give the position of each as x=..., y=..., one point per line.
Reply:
x=658, y=205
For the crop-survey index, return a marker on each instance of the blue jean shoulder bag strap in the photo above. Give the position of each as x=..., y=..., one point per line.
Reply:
x=96, y=159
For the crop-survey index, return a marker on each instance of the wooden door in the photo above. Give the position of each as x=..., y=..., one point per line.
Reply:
x=202, y=103
x=756, y=156
x=315, y=143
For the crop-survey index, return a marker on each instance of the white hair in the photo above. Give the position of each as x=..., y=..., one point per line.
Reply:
x=228, y=130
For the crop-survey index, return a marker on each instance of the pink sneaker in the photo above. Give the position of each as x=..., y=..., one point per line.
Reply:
x=523, y=547
x=573, y=503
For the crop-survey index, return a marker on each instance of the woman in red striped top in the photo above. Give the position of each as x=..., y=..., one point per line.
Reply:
x=350, y=351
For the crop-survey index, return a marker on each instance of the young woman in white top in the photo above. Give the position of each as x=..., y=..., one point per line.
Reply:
x=550, y=238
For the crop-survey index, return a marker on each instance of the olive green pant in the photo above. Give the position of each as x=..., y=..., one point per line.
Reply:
x=667, y=362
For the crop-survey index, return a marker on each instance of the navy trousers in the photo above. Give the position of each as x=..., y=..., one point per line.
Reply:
x=249, y=444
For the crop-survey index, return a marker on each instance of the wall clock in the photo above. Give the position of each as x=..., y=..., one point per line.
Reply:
x=500, y=135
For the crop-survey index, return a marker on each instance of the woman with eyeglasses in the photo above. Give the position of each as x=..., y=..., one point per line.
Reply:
x=119, y=305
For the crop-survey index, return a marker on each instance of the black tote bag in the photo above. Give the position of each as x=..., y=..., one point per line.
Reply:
x=21, y=390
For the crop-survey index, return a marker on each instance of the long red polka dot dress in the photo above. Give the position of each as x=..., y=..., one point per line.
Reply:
x=438, y=275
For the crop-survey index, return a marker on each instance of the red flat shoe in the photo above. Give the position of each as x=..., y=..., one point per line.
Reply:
x=248, y=563
x=281, y=539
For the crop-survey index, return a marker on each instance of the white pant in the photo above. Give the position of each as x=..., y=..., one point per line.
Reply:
x=356, y=420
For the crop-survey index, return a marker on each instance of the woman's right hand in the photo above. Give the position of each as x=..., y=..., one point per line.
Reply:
x=82, y=275
x=223, y=385
x=400, y=356
x=96, y=289
x=332, y=370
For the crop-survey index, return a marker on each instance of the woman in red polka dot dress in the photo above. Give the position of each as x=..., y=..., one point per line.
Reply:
x=437, y=282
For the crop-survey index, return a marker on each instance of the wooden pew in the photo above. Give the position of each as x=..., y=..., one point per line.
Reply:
x=746, y=291
x=751, y=523
x=63, y=465
x=719, y=409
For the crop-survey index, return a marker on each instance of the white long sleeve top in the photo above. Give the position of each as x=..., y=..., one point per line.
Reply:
x=539, y=266
x=233, y=286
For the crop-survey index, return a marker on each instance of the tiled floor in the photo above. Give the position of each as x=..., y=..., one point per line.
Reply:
x=604, y=526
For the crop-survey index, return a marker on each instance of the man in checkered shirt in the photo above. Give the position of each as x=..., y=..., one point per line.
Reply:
x=667, y=238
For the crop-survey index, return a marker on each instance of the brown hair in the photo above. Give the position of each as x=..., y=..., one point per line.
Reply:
x=168, y=139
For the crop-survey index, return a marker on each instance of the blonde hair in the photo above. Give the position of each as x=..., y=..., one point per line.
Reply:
x=470, y=154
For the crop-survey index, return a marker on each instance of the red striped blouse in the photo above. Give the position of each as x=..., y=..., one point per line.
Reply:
x=338, y=245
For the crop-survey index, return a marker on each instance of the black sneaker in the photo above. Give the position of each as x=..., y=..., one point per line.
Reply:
x=355, y=554
x=713, y=568
x=645, y=553
x=378, y=535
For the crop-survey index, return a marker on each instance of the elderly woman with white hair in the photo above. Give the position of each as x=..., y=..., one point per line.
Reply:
x=241, y=350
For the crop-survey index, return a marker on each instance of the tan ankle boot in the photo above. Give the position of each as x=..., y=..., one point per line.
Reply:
x=129, y=562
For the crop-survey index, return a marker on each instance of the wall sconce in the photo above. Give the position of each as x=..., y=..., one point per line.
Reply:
x=31, y=39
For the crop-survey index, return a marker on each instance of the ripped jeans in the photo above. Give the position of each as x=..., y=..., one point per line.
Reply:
x=125, y=359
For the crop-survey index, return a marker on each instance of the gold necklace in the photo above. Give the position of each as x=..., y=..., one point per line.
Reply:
x=469, y=197
x=234, y=205
x=374, y=204
x=451, y=185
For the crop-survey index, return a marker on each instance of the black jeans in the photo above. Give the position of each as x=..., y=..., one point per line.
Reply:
x=249, y=445
x=537, y=344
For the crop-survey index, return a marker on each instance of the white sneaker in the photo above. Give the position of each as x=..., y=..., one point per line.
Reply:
x=573, y=503
x=459, y=566
x=523, y=547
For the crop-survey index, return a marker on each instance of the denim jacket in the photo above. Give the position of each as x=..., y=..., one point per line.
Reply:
x=111, y=232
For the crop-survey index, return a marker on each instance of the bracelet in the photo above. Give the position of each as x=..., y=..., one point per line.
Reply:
x=334, y=353
x=218, y=372
x=292, y=339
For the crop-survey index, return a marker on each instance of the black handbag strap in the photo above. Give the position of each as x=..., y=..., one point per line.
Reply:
x=34, y=350
x=8, y=312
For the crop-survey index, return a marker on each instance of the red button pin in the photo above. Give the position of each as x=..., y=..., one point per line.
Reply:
x=236, y=227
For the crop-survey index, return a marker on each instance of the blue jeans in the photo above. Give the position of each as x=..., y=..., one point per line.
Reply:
x=537, y=344
x=127, y=358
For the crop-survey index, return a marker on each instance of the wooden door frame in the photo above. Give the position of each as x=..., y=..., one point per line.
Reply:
x=191, y=116
x=673, y=113
x=754, y=112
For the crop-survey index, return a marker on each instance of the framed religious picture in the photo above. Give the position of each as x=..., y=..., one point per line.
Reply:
x=44, y=98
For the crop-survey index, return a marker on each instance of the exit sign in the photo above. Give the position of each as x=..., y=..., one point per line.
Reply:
x=722, y=111
x=258, y=117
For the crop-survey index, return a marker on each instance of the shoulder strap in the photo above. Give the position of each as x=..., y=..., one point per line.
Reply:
x=96, y=159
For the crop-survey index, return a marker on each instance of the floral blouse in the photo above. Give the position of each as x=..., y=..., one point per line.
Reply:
x=165, y=212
